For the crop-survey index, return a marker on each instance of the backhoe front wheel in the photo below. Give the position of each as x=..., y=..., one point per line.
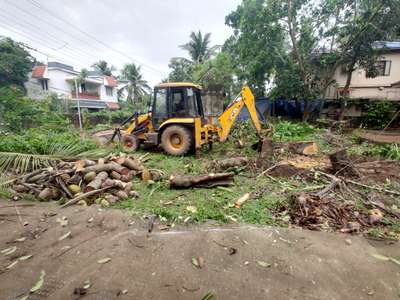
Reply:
x=177, y=140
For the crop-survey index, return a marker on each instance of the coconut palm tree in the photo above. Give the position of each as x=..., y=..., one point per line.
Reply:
x=103, y=67
x=137, y=86
x=199, y=47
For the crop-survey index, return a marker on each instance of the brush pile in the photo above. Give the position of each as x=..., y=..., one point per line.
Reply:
x=80, y=180
x=318, y=213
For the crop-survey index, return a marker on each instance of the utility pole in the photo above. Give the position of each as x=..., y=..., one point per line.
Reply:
x=79, y=106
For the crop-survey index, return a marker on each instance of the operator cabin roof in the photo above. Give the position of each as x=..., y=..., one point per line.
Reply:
x=178, y=84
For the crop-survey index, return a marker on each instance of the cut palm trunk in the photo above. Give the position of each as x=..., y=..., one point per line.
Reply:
x=130, y=163
x=112, y=166
x=201, y=181
x=95, y=184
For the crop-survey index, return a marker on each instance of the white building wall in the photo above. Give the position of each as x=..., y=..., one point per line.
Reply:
x=105, y=97
x=58, y=83
x=371, y=88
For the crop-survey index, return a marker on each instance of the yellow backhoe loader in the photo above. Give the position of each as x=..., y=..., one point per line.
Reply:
x=177, y=123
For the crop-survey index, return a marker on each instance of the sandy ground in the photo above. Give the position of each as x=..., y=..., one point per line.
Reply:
x=303, y=264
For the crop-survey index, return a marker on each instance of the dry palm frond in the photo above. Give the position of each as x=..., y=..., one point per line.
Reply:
x=6, y=181
x=21, y=163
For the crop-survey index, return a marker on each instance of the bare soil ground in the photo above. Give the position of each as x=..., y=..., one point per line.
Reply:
x=377, y=136
x=267, y=263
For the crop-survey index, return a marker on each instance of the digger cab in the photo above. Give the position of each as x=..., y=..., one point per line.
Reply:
x=176, y=100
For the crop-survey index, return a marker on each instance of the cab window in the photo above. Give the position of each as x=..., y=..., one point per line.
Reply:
x=191, y=103
x=160, y=107
x=177, y=103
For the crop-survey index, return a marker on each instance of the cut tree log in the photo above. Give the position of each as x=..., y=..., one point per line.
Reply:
x=49, y=194
x=206, y=181
x=303, y=147
x=112, y=166
x=130, y=163
x=95, y=184
x=267, y=149
x=115, y=175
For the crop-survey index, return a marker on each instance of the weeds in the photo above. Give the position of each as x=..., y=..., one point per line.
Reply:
x=289, y=131
x=40, y=141
x=388, y=151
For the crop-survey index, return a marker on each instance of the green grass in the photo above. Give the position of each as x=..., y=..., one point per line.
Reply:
x=218, y=204
x=211, y=204
x=388, y=151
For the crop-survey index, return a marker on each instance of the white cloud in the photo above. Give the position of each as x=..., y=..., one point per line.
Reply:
x=148, y=31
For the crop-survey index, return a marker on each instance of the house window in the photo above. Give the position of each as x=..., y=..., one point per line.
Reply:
x=109, y=91
x=45, y=84
x=382, y=68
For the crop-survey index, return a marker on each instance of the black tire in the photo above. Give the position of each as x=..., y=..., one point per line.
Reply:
x=177, y=140
x=130, y=143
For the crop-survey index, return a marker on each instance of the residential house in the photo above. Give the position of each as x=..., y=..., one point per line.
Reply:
x=95, y=92
x=385, y=86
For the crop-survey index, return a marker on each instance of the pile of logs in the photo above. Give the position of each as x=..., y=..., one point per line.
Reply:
x=83, y=179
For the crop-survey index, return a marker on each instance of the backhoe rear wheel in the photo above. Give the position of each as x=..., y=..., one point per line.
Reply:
x=177, y=140
x=130, y=143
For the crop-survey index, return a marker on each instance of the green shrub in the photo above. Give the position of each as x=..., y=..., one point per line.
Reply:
x=18, y=113
x=40, y=141
x=388, y=151
x=391, y=151
x=378, y=114
x=285, y=130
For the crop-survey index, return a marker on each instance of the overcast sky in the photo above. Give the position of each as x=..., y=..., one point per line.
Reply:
x=147, y=32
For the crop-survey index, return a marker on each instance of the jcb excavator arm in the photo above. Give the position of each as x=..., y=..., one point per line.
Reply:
x=228, y=117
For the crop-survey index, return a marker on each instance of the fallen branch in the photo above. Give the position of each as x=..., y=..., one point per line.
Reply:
x=269, y=169
x=83, y=196
x=338, y=180
x=328, y=188
x=64, y=187
x=372, y=187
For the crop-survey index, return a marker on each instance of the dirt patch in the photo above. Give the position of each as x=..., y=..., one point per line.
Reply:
x=287, y=171
x=299, y=165
x=380, y=137
x=268, y=263
x=379, y=171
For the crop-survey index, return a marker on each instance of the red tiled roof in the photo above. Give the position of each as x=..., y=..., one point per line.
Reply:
x=38, y=71
x=109, y=81
x=112, y=105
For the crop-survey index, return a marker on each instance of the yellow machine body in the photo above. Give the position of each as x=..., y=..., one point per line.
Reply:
x=202, y=130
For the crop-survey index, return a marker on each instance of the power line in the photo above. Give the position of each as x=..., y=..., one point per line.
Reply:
x=49, y=23
x=92, y=37
x=63, y=47
x=42, y=52
x=54, y=38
